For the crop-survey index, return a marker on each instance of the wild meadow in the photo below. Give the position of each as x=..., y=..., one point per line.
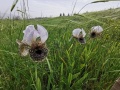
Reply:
x=69, y=64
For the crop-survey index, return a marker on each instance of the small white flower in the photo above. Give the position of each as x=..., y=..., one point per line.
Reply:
x=96, y=31
x=31, y=34
x=79, y=34
x=33, y=42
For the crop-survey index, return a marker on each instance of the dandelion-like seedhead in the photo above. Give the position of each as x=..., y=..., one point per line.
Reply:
x=79, y=34
x=35, y=39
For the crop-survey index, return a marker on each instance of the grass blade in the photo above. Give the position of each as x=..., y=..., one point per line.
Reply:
x=14, y=4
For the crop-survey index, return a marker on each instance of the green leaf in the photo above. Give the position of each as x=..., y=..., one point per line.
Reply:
x=79, y=82
x=14, y=4
x=38, y=84
x=103, y=1
x=69, y=78
x=99, y=1
x=61, y=77
x=49, y=66
x=76, y=75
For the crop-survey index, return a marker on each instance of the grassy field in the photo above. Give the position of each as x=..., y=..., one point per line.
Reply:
x=71, y=65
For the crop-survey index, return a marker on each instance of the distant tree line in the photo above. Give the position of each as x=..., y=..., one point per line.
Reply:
x=63, y=14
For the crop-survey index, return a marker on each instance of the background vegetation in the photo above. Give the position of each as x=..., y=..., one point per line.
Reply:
x=70, y=65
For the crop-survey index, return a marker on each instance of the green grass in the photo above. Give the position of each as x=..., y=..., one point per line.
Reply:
x=69, y=65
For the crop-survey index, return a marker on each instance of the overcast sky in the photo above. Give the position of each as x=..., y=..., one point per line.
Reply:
x=38, y=8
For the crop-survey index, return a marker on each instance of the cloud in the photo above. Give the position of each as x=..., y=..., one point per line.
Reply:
x=38, y=8
x=48, y=8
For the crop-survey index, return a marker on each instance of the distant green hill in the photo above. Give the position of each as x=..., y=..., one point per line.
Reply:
x=110, y=13
x=79, y=18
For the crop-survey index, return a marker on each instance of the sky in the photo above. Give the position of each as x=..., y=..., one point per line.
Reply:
x=53, y=8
